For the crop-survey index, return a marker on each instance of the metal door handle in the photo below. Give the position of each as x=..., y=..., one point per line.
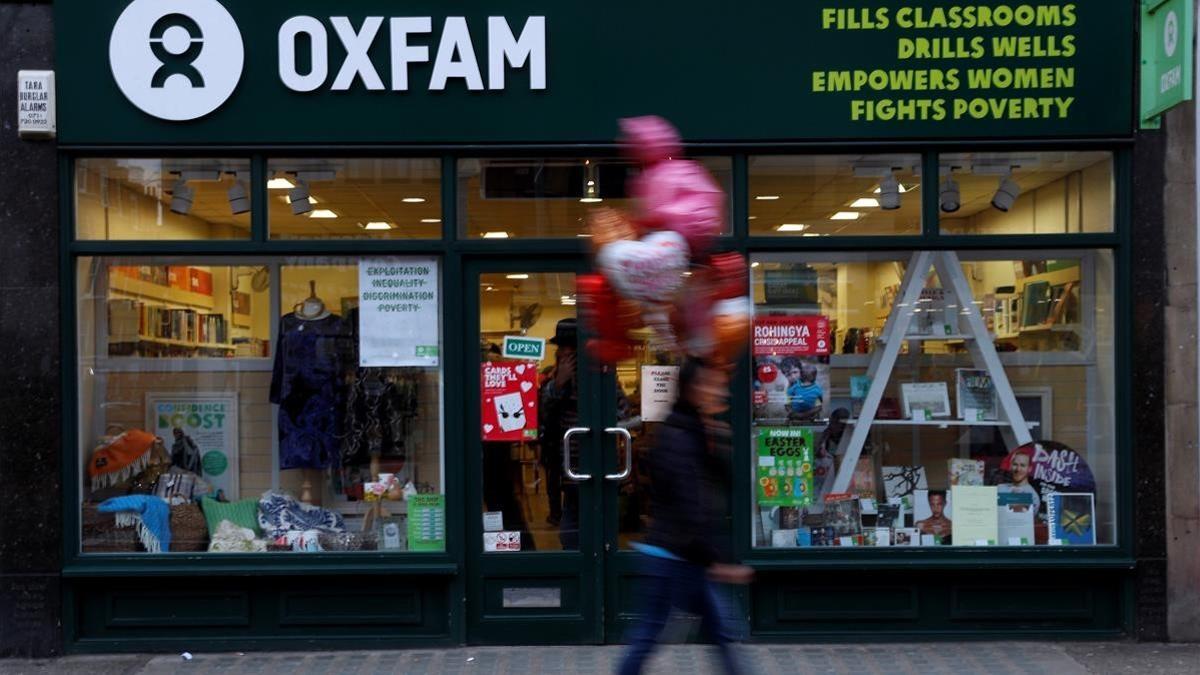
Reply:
x=578, y=477
x=624, y=433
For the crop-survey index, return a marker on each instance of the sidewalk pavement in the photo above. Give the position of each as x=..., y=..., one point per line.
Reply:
x=919, y=658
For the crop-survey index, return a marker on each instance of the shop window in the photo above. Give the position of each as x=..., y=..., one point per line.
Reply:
x=834, y=195
x=280, y=395
x=550, y=198
x=377, y=198
x=966, y=401
x=176, y=199
x=1026, y=192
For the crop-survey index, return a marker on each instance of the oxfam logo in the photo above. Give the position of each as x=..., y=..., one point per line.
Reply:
x=176, y=59
x=1170, y=33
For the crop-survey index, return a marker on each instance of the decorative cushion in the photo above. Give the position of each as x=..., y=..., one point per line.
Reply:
x=279, y=514
x=230, y=538
x=243, y=513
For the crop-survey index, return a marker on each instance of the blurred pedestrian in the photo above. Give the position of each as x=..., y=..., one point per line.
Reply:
x=679, y=554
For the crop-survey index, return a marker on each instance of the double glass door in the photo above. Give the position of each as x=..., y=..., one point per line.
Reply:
x=558, y=492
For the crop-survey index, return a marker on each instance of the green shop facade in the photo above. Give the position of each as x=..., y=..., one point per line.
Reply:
x=295, y=237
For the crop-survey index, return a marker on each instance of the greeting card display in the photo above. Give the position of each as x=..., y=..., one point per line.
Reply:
x=510, y=397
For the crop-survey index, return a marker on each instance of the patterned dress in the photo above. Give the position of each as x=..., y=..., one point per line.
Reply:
x=308, y=385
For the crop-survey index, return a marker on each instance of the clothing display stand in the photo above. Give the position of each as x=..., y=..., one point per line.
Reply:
x=895, y=332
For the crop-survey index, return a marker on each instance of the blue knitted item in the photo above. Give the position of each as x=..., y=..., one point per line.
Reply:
x=151, y=515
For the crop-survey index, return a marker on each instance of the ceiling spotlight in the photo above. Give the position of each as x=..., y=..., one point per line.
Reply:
x=791, y=227
x=181, y=197
x=280, y=184
x=1006, y=194
x=495, y=235
x=319, y=213
x=767, y=198
x=298, y=196
x=865, y=203
x=950, y=198
x=889, y=192
x=431, y=220
x=413, y=200
x=377, y=225
x=591, y=185
x=846, y=215
x=517, y=277
x=239, y=199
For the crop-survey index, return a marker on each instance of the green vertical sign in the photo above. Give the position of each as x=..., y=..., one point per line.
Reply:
x=1166, y=55
x=427, y=523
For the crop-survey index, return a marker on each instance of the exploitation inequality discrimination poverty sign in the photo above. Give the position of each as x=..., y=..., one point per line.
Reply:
x=957, y=62
x=398, y=312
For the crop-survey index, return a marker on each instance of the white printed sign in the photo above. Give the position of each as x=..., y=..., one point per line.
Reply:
x=660, y=386
x=35, y=103
x=398, y=322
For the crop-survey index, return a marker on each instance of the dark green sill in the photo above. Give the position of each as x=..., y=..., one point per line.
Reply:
x=298, y=564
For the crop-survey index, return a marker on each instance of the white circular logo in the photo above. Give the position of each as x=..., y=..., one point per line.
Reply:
x=1170, y=33
x=176, y=59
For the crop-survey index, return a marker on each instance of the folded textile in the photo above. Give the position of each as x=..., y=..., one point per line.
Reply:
x=120, y=459
x=150, y=514
x=178, y=486
x=279, y=514
x=229, y=538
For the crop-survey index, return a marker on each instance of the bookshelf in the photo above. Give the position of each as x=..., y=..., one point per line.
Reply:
x=149, y=318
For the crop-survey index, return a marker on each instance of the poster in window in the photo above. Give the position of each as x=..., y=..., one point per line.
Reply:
x=792, y=335
x=509, y=397
x=785, y=466
x=399, y=318
x=200, y=430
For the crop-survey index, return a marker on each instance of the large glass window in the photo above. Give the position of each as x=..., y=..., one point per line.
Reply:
x=1026, y=192
x=835, y=195
x=523, y=198
x=372, y=198
x=250, y=405
x=933, y=398
x=181, y=199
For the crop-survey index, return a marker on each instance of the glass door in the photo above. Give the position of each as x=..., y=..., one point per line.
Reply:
x=637, y=396
x=534, y=524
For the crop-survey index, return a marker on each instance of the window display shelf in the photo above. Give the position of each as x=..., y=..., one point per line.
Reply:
x=924, y=338
x=179, y=343
x=939, y=423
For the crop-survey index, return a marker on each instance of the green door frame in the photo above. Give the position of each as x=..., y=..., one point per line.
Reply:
x=578, y=574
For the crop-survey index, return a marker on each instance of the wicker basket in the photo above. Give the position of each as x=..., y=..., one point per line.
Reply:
x=100, y=533
x=189, y=531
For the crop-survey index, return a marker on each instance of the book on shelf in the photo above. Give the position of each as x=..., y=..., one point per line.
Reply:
x=842, y=513
x=965, y=471
x=1072, y=518
x=900, y=482
x=976, y=395
x=1015, y=519
x=975, y=515
x=925, y=400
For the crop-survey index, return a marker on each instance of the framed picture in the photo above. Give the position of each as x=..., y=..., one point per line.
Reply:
x=925, y=400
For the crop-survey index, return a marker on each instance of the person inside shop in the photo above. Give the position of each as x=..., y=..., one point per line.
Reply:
x=558, y=410
x=680, y=556
x=937, y=524
x=804, y=395
x=1019, y=465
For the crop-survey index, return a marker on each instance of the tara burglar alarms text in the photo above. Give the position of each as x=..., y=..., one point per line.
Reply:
x=454, y=57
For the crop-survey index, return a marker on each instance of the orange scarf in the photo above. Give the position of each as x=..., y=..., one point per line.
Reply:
x=120, y=459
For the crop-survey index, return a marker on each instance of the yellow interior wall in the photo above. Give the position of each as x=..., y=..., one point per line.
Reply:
x=132, y=214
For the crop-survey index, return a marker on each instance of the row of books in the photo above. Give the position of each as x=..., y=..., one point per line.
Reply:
x=131, y=321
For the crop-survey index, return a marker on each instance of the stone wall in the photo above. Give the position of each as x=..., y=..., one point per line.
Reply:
x=31, y=399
